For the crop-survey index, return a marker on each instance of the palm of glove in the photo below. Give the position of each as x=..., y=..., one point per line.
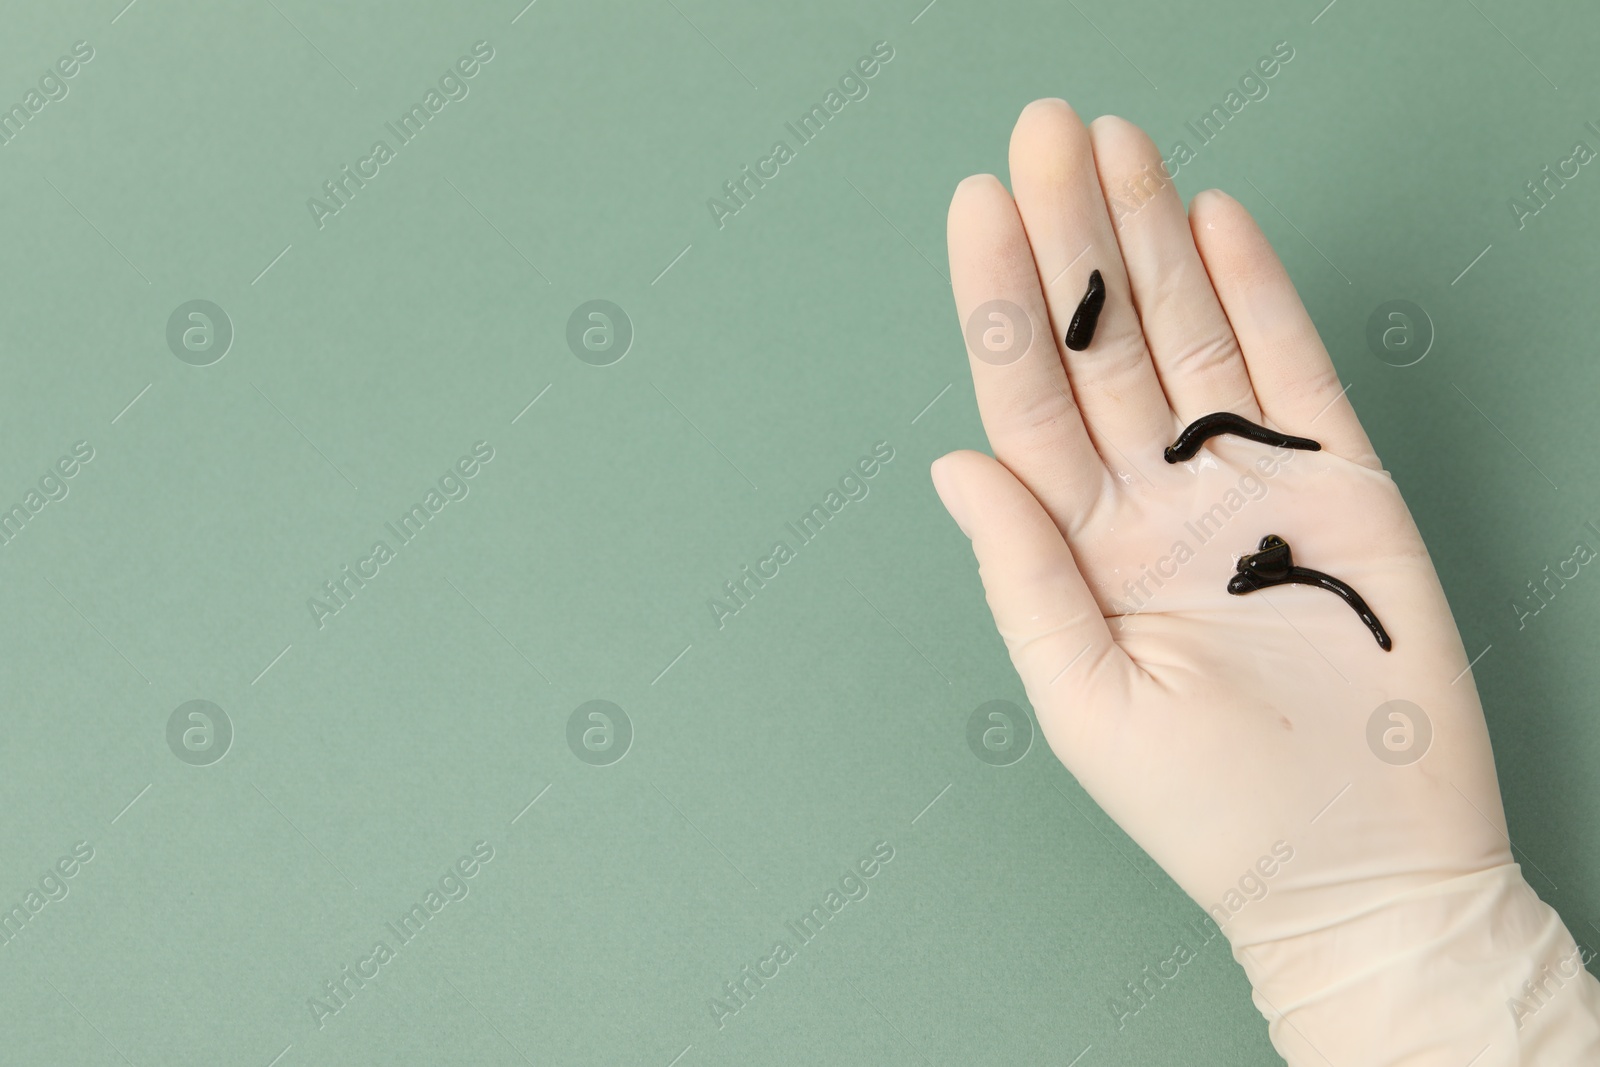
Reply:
x=1238, y=719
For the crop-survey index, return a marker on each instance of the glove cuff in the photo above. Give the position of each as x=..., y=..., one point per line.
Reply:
x=1476, y=969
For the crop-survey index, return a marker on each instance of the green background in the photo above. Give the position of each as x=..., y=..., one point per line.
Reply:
x=828, y=715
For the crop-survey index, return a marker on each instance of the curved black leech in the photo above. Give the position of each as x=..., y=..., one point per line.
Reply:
x=1081, y=330
x=1273, y=565
x=1207, y=426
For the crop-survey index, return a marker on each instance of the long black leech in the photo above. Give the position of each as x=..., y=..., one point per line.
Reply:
x=1207, y=426
x=1274, y=565
x=1081, y=330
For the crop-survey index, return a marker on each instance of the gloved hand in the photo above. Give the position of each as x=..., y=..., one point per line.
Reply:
x=1353, y=850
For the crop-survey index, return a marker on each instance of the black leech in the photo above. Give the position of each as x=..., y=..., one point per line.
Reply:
x=1274, y=565
x=1207, y=426
x=1081, y=330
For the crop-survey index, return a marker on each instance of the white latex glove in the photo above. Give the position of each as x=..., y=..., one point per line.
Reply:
x=1370, y=895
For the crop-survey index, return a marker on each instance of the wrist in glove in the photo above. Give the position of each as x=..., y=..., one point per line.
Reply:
x=1473, y=970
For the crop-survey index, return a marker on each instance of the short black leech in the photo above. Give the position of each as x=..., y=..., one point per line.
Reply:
x=1081, y=330
x=1273, y=565
x=1207, y=426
